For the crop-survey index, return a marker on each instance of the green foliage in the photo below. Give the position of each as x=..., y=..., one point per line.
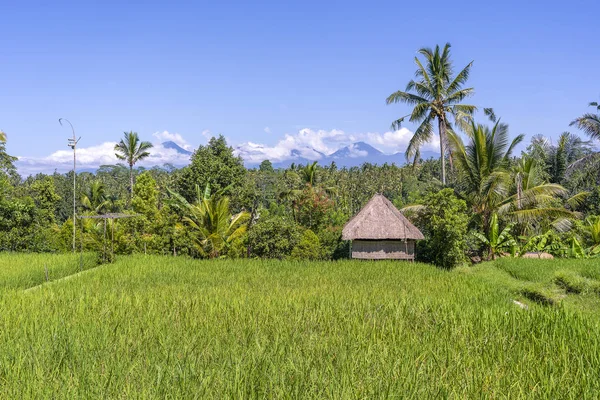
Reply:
x=210, y=222
x=436, y=94
x=273, y=237
x=313, y=206
x=309, y=247
x=131, y=150
x=214, y=165
x=94, y=198
x=496, y=241
x=145, y=195
x=444, y=222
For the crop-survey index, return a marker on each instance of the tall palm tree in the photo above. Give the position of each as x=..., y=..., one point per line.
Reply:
x=589, y=122
x=131, y=150
x=213, y=227
x=435, y=94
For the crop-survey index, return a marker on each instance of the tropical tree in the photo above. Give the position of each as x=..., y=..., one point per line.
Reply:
x=436, y=94
x=2, y=136
x=489, y=186
x=483, y=176
x=132, y=150
x=589, y=122
x=557, y=158
x=212, y=226
x=308, y=173
x=94, y=198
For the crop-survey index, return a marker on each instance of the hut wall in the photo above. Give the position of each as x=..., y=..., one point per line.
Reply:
x=383, y=249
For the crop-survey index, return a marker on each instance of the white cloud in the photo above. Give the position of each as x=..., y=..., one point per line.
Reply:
x=355, y=151
x=307, y=143
x=267, y=129
x=316, y=144
x=176, y=138
x=93, y=156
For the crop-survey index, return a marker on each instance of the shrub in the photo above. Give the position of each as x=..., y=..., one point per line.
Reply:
x=309, y=247
x=273, y=237
x=444, y=224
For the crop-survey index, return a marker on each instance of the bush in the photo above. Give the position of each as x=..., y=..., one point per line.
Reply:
x=273, y=237
x=309, y=247
x=444, y=225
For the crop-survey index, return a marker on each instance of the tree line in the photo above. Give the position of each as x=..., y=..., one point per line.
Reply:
x=480, y=200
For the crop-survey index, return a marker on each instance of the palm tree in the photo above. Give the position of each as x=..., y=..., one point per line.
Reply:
x=94, y=198
x=2, y=136
x=483, y=177
x=489, y=186
x=213, y=227
x=589, y=122
x=558, y=159
x=436, y=94
x=308, y=173
x=131, y=150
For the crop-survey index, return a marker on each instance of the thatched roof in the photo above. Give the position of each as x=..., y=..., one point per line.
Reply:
x=379, y=219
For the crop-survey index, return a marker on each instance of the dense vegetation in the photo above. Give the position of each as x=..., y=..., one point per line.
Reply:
x=484, y=198
x=156, y=327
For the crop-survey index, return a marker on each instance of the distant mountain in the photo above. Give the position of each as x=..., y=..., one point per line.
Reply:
x=353, y=155
x=176, y=147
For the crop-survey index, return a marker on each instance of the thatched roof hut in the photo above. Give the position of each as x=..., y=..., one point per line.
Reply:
x=381, y=231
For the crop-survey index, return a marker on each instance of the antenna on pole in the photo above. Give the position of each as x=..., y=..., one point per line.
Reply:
x=72, y=143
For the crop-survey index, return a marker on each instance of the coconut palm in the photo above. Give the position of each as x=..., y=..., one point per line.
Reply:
x=589, y=122
x=436, y=94
x=557, y=158
x=131, y=150
x=489, y=186
x=213, y=227
x=483, y=176
x=534, y=203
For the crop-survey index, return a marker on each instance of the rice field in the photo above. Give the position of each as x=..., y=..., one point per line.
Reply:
x=22, y=271
x=164, y=327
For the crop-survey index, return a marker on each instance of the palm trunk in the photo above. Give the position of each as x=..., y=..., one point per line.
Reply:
x=130, y=183
x=442, y=128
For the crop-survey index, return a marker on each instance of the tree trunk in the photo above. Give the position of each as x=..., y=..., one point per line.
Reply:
x=130, y=183
x=442, y=128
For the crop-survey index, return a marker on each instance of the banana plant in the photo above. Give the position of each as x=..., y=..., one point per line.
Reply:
x=548, y=242
x=497, y=242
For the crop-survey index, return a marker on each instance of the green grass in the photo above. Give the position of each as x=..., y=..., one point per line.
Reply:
x=22, y=271
x=161, y=327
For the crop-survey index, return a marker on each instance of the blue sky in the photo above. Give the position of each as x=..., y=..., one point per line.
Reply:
x=318, y=72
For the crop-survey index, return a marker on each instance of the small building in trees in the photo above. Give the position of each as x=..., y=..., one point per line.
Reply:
x=381, y=232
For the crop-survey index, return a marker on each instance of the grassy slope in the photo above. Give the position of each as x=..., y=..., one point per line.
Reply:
x=157, y=327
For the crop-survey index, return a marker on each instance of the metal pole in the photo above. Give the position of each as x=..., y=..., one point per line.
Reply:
x=72, y=143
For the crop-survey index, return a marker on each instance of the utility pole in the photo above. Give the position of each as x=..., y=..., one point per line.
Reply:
x=72, y=143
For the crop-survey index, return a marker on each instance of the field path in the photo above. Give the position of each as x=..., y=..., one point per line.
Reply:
x=48, y=283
